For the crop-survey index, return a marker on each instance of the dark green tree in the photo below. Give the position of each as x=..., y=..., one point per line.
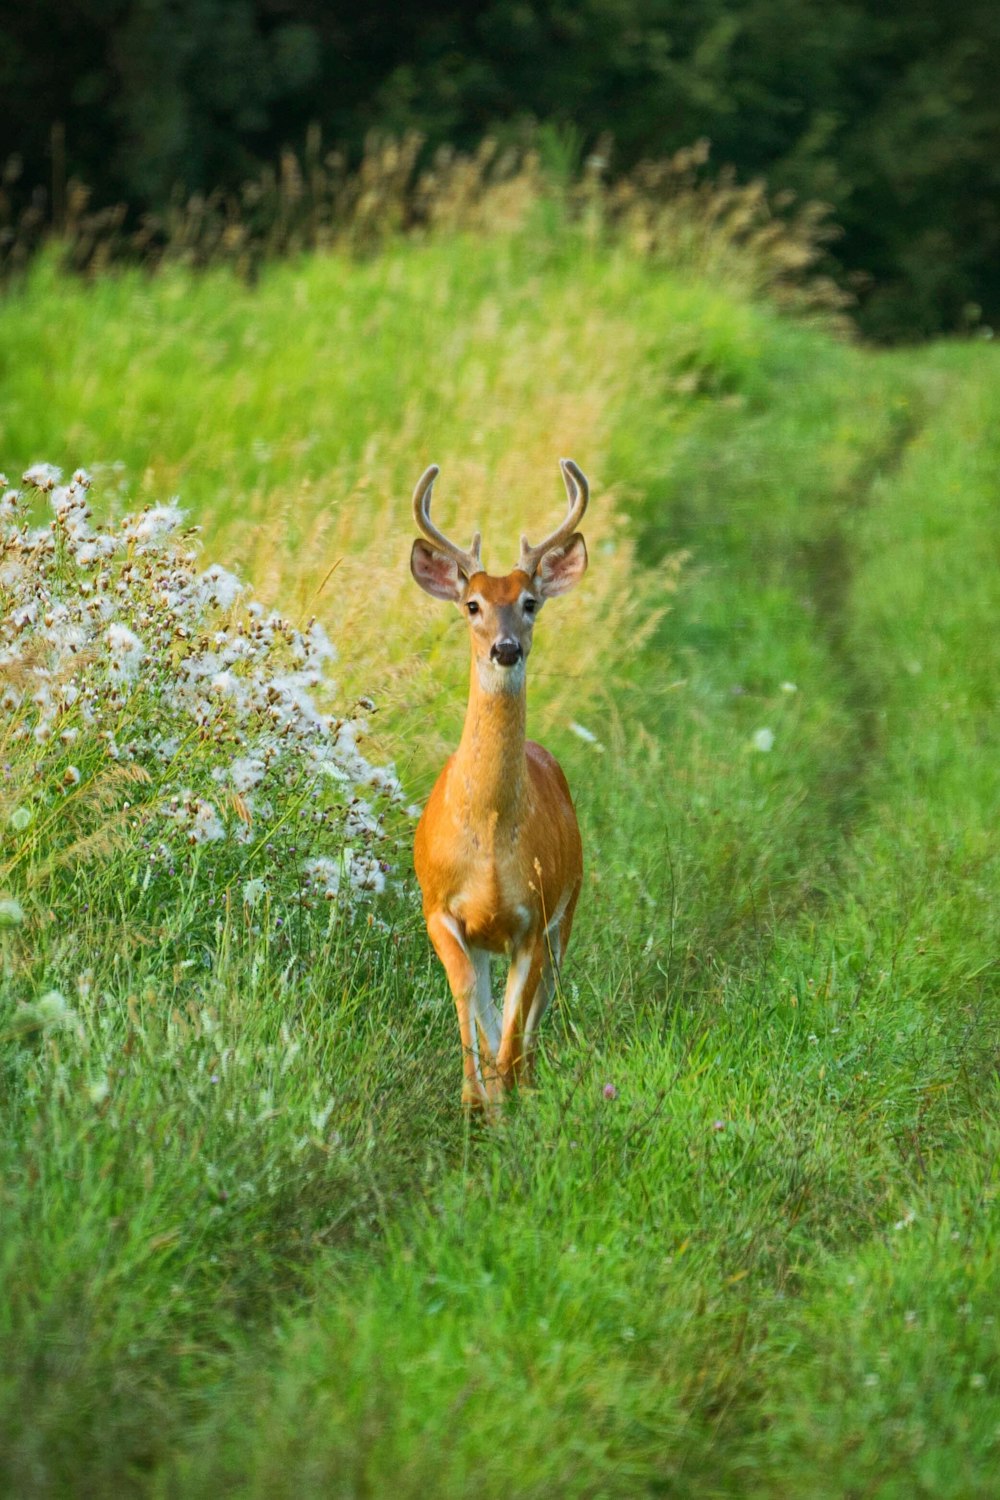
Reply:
x=886, y=110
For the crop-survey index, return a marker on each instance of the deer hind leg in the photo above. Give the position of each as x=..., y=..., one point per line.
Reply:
x=463, y=979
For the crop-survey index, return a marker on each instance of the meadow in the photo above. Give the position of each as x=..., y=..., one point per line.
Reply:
x=742, y=1239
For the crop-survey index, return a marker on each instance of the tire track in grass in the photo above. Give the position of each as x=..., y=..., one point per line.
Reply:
x=767, y=508
x=830, y=563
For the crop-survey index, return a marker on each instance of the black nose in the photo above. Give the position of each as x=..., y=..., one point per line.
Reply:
x=507, y=653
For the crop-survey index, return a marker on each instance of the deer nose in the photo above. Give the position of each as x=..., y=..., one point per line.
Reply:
x=506, y=653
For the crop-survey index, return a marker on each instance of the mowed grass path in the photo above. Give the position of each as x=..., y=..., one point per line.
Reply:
x=767, y=1265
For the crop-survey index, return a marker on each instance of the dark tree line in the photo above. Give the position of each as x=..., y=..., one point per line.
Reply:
x=887, y=109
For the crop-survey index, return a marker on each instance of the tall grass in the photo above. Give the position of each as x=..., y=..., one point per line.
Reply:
x=740, y=1242
x=671, y=210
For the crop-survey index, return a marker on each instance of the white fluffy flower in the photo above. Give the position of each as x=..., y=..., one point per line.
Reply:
x=126, y=651
x=156, y=523
x=365, y=873
x=324, y=873
x=111, y=638
x=225, y=684
x=42, y=476
x=220, y=587
x=206, y=826
x=320, y=647
x=246, y=772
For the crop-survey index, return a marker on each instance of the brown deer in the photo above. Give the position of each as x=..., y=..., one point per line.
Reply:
x=497, y=850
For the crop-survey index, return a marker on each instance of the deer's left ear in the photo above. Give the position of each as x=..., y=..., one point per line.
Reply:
x=562, y=568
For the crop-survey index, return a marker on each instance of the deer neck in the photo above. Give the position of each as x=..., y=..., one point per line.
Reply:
x=490, y=764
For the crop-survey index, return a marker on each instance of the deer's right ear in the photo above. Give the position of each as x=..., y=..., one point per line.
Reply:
x=436, y=574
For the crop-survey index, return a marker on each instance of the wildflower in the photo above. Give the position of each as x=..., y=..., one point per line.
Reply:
x=157, y=522
x=365, y=872
x=206, y=826
x=763, y=740
x=246, y=772
x=718, y=1124
x=252, y=892
x=25, y=615
x=359, y=819
x=610, y=1092
x=11, y=913
x=384, y=779
x=114, y=640
x=126, y=652
x=320, y=647
x=220, y=587
x=324, y=873
x=42, y=476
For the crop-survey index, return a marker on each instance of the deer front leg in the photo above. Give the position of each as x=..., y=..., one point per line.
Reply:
x=488, y=1018
x=451, y=948
x=522, y=983
x=555, y=940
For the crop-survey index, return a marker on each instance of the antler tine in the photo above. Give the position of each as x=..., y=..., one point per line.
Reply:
x=469, y=561
x=578, y=491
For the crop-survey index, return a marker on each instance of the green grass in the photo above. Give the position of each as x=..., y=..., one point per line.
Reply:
x=767, y=1266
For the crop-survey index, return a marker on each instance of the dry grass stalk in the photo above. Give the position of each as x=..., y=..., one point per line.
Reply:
x=669, y=209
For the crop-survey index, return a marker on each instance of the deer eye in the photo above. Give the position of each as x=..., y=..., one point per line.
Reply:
x=472, y=607
x=530, y=605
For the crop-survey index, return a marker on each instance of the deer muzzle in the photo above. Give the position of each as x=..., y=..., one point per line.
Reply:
x=506, y=653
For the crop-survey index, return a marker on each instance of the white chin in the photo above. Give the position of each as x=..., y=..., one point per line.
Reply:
x=496, y=679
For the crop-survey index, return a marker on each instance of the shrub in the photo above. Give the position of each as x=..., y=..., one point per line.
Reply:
x=155, y=712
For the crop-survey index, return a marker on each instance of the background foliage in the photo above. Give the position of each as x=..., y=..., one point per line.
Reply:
x=886, y=110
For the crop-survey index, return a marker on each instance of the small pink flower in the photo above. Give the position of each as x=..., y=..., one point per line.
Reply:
x=718, y=1124
x=610, y=1092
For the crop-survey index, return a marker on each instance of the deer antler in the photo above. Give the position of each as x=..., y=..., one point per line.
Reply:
x=578, y=491
x=469, y=562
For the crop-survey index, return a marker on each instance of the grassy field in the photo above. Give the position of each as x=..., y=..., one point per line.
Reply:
x=249, y=1244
